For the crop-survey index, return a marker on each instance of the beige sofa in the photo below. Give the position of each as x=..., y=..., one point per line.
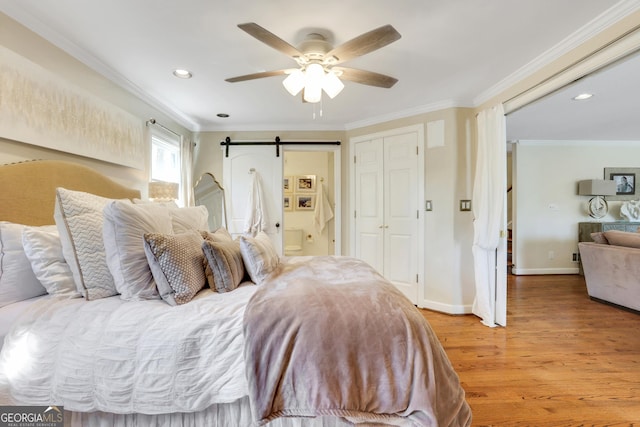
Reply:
x=612, y=268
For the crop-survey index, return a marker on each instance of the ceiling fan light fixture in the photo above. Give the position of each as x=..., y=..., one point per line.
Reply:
x=294, y=82
x=314, y=81
x=332, y=84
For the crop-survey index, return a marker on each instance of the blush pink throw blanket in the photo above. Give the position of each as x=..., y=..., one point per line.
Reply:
x=330, y=336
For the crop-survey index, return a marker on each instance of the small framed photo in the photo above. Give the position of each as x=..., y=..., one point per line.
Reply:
x=287, y=203
x=625, y=179
x=287, y=184
x=305, y=203
x=305, y=184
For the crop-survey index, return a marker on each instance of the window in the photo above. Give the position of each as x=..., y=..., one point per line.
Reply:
x=166, y=159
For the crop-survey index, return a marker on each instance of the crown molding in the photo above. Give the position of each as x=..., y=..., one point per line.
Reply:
x=410, y=112
x=606, y=19
x=13, y=10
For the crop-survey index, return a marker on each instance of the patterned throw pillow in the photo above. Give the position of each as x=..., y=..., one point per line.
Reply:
x=176, y=262
x=223, y=264
x=78, y=216
x=259, y=256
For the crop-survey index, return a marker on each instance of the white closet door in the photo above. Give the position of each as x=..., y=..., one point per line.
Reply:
x=369, y=203
x=237, y=180
x=386, y=208
x=401, y=215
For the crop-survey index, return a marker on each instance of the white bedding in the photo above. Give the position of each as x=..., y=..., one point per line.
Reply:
x=10, y=313
x=131, y=356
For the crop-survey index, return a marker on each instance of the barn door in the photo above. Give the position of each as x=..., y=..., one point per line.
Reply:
x=237, y=171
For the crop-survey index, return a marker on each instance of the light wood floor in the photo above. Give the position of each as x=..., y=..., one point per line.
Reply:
x=562, y=360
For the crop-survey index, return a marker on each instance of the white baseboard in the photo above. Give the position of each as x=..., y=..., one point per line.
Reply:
x=445, y=308
x=534, y=271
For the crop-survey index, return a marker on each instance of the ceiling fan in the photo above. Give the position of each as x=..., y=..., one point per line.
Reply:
x=317, y=61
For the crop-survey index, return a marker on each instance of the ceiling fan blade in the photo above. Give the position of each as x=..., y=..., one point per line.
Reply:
x=365, y=77
x=269, y=39
x=257, y=76
x=365, y=43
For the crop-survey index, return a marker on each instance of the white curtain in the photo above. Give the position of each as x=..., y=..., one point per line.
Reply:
x=488, y=205
x=186, y=156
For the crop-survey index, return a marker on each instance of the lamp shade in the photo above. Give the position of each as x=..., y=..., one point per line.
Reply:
x=597, y=187
x=313, y=83
x=294, y=82
x=163, y=191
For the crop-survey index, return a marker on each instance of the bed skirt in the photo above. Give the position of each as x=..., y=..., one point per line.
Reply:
x=237, y=413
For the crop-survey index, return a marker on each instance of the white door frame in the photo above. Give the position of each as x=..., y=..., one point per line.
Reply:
x=419, y=129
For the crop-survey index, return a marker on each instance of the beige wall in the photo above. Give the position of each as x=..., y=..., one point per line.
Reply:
x=29, y=45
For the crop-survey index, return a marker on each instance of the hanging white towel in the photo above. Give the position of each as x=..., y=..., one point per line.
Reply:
x=322, y=213
x=256, y=218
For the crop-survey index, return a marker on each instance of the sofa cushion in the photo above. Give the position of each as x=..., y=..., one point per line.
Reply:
x=623, y=238
x=598, y=237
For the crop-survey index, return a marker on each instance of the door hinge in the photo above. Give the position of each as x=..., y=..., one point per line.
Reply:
x=417, y=148
x=416, y=278
x=355, y=214
x=418, y=214
x=354, y=160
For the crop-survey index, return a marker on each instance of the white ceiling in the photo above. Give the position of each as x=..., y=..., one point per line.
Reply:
x=452, y=52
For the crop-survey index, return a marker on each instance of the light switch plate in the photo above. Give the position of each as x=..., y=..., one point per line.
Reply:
x=465, y=205
x=428, y=206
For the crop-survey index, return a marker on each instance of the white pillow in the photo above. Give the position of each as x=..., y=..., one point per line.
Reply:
x=79, y=219
x=124, y=227
x=259, y=256
x=177, y=264
x=191, y=218
x=44, y=251
x=17, y=280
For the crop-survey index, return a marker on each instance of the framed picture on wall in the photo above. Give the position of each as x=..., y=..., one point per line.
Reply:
x=287, y=184
x=287, y=203
x=625, y=179
x=305, y=184
x=305, y=203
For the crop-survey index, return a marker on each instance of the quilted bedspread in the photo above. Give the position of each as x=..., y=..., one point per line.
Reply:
x=330, y=336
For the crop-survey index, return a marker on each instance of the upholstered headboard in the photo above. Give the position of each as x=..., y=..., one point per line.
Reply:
x=28, y=189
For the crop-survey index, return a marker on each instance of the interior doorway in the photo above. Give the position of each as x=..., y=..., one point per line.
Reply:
x=309, y=202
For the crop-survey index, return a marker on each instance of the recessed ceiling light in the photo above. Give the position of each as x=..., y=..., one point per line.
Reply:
x=183, y=74
x=582, y=96
x=222, y=115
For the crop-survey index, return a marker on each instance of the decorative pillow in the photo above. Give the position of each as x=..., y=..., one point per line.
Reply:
x=17, y=280
x=79, y=219
x=223, y=264
x=623, y=238
x=259, y=256
x=192, y=218
x=176, y=261
x=43, y=249
x=598, y=237
x=124, y=227
x=220, y=235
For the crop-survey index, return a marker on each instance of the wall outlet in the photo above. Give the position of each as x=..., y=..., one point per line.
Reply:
x=552, y=255
x=465, y=205
x=576, y=257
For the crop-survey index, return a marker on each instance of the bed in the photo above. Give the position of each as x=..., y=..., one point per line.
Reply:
x=192, y=328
